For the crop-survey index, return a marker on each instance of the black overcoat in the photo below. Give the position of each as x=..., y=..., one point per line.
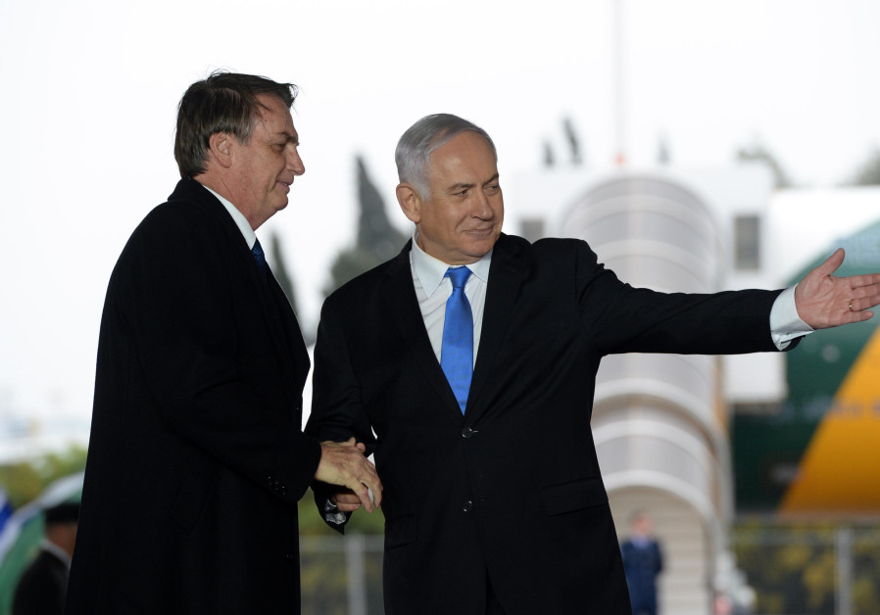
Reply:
x=196, y=459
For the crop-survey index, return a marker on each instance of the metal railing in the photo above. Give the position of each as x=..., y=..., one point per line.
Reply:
x=341, y=575
x=811, y=570
x=794, y=571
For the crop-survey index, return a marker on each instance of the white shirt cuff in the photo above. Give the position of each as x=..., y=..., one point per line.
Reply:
x=332, y=514
x=785, y=323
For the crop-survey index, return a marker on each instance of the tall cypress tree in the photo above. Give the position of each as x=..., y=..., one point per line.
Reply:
x=283, y=276
x=377, y=240
x=285, y=281
x=574, y=142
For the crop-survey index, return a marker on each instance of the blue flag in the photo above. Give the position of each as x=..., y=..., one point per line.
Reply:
x=5, y=509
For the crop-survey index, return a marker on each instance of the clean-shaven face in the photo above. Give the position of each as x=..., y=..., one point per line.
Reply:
x=264, y=168
x=460, y=218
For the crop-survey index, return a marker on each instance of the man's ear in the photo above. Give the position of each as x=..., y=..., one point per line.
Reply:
x=220, y=147
x=410, y=202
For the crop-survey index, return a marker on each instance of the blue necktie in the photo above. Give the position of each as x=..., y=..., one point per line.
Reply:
x=457, y=351
x=260, y=257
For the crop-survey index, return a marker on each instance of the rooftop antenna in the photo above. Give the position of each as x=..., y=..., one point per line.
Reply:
x=619, y=77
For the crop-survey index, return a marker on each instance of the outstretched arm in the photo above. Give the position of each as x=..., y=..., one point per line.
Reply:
x=824, y=300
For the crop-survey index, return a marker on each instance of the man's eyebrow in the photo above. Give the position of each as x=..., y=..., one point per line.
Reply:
x=288, y=136
x=494, y=178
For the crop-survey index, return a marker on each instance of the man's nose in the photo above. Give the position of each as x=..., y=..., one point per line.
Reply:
x=295, y=162
x=482, y=208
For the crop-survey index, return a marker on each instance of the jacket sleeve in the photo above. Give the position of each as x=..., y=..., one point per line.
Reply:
x=622, y=318
x=338, y=412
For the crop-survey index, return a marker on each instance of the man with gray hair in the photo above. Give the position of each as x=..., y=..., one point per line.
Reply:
x=196, y=459
x=472, y=357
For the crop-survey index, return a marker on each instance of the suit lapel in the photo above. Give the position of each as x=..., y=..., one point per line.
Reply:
x=400, y=300
x=279, y=319
x=285, y=344
x=509, y=266
x=261, y=286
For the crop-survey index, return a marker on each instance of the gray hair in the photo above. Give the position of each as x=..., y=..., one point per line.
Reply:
x=421, y=140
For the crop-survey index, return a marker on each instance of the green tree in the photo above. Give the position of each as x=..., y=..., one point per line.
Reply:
x=26, y=479
x=549, y=158
x=793, y=567
x=285, y=281
x=869, y=173
x=279, y=269
x=377, y=240
x=574, y=142
x=664, y=154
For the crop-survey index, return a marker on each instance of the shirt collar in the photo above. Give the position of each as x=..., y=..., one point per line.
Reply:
x=431, y=271
x=240, y=221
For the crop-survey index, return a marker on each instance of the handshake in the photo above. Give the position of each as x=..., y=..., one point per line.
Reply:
x=344, y=464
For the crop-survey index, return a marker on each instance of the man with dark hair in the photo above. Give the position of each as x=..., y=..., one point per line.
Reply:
x=472, y=356
x=43, y=584
x=196, y=458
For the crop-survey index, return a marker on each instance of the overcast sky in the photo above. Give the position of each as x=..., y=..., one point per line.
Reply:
x=90, y=90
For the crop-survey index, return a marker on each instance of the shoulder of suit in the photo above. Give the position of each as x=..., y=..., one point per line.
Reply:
x=186, y=211
x=559, y=244
x=542, y=249
x=367, y=282
x=508, y=245
x=44, y=563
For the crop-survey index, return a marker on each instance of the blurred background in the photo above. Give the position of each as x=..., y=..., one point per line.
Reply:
x=697, y=145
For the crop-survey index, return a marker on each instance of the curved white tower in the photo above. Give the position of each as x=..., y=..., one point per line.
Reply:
x=659, y=421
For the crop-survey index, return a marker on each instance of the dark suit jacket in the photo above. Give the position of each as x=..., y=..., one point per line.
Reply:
x=196, y=458
x=42, y=586
x=513, y=488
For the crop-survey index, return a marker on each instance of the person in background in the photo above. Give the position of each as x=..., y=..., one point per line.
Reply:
x=43, y=584
x=642, y=563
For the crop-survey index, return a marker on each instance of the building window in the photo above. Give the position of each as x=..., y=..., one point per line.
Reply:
x=747, y=242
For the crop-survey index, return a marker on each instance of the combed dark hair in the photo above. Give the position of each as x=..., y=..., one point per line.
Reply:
x=224, y=102
x=66, y=512
x=421, y=140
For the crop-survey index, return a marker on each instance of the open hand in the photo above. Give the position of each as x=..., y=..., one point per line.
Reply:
x=823, y=300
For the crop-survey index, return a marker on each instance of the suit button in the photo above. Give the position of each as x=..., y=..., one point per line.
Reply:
x=468, y=506
x=468, y=432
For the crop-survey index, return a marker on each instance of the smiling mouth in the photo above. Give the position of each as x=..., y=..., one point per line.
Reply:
x=480, y=231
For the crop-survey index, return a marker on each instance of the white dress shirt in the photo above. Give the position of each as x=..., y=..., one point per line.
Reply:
x=240, y=221
x=433, y=290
